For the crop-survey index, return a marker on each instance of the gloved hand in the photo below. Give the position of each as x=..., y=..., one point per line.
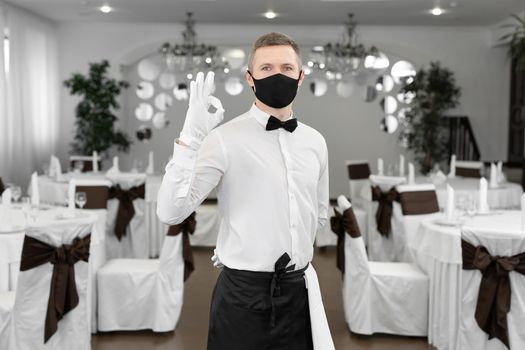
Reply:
x=199, y=121
x=215, y=258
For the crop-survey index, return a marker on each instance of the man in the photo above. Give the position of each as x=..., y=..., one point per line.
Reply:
x=271, y=174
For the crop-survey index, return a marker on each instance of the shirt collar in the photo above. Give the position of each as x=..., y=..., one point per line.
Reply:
x=261, y=116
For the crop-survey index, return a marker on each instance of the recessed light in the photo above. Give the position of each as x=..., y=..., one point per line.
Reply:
x=270, y=15
x=106, y=8
x=436, y=11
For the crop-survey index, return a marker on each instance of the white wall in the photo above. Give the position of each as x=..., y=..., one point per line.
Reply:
x=350, y=126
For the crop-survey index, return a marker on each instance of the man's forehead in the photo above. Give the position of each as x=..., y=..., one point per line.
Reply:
x=279, y=54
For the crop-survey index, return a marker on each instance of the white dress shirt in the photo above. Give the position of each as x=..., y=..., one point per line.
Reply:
x=272, y=189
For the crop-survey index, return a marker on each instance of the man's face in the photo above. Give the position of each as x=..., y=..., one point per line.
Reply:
x=270, y=60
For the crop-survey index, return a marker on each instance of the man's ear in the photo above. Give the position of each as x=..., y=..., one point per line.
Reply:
x=301, y=77
x=249, y=79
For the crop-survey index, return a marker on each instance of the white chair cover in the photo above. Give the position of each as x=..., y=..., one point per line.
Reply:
x=381, y=248
x=97, y=257
x=357, y=185
x=24, y=328
x=138, y=294
x=383, y=297
x=135, y=244
x=498, y=243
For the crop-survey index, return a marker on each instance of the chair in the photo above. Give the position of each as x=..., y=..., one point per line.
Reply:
x=467, y=168
x=49, y=309
x=139, y=294
x=416, y=203
x=126, y=232
x=383, y=243
x=493, y=280
x=97, y=194
x=358, y=173
x=381, y=297
x=87, y=162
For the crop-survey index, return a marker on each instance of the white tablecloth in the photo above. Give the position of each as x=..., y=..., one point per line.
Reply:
x=437, y=250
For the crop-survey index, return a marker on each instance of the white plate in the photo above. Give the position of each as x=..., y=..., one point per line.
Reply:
x=68, y=216
x=443, y=222
x=492, y=212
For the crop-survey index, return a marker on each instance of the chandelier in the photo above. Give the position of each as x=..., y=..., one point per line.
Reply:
x=346, y=56
x=190, y=57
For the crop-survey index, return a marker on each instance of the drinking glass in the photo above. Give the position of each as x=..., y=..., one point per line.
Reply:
x=80, y=199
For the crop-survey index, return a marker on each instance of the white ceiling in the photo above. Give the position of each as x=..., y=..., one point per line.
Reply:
x=368, y=12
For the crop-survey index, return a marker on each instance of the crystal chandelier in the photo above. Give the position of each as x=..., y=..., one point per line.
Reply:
x=346, y=56
x=190, y=57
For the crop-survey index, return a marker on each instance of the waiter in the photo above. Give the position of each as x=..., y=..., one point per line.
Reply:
x=271, y=174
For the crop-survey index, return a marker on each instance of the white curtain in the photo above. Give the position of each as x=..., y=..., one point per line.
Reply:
x=29, y=105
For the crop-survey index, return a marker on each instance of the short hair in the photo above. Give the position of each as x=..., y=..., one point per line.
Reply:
x=274, y=39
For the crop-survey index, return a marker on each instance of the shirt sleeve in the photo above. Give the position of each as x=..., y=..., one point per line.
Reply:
x=323, y=190
x=190, y=177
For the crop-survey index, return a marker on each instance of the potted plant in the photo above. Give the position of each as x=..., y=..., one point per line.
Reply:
x=425, y=132
x=95, y=112
x=516, y=41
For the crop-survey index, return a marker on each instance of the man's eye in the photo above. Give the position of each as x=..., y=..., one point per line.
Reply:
x=289, y=68
x=265, y=68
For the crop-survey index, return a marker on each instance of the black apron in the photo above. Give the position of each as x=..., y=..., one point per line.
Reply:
x=260, y=310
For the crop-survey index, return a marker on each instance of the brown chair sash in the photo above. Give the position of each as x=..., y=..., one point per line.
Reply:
x=384, y=209
x=341, y=223
x=97, y=196
x=2, y=187
x=494, y=290
x=358, y=171
x=468, y=172
x=87, y=165
x=63, y=295
x=125, y=208
x=186, y=227
x=419, y=202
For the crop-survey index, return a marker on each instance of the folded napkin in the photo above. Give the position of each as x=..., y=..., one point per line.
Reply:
x=114, y=168
x=56, y=169
x=483, y=206
x=95, y=161
x=493, y=176
x=6, y=197
x=501, y=176
x=411, y=174
x=35, y=196
x=380, y=170
x=450, y=208
x=452, y=170
x=401, y=165
x=438, y=178
x=150, y=168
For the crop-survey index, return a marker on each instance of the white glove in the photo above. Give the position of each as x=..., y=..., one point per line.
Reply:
x=216, y=262
x=199, y=121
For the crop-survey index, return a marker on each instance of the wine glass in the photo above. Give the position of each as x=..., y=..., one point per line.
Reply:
x=16, y=192
x=26, y=206
x=461, y=202
x=471, y=206
x=79, y=165
x=80, y=199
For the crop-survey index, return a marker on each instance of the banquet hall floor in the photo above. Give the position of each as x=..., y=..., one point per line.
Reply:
x=192, y=329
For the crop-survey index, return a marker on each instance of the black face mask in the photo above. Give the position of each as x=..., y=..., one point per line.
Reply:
x=276, y=91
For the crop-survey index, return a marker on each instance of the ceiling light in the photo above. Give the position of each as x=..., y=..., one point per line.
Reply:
x=270, y=15
x=436, y=11
x=106, y=8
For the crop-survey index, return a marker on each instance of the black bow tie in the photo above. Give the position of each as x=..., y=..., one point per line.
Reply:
x=274, y=123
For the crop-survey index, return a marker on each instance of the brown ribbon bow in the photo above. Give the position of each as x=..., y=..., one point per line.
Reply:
x=63, y=295
x=125, y=208
x=2, y=187
x=341, y=223
x=494, y=291
x=186, y=227
x=384, y=209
